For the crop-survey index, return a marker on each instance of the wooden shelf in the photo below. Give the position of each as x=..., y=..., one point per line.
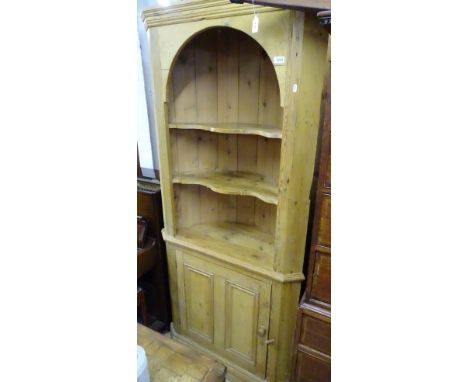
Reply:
x=231, y=128
x=238, y=241
x=233, y=183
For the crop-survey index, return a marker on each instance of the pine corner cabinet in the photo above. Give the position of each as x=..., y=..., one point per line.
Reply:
x=237, y=123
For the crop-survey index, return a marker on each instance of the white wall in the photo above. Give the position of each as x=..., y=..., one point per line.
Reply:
x=147, y=146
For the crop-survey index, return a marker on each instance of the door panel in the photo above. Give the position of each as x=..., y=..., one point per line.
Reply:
x=247, y=313
x=241, y=321
x=199, y=293
x=226, y=310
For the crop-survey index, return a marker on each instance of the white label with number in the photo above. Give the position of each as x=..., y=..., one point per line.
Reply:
x=255, y=23
x=279, y=60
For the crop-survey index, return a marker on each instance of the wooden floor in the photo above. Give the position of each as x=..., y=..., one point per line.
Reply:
x=169, y=360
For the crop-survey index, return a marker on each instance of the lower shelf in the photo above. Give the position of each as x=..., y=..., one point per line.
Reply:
x=244, y=242
x=235, y=244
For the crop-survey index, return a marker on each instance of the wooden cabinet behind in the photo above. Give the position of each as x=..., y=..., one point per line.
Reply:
x=149, y=206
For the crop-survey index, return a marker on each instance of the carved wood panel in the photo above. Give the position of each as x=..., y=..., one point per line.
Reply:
x=226, y=310
x=199, y=300
x=241, y=321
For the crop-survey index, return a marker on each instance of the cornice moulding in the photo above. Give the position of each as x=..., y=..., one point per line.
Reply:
x=197, y=11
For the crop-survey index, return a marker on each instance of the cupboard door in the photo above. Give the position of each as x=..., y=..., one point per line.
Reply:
x=199, y=301
x=246, y=317
x=225, y=310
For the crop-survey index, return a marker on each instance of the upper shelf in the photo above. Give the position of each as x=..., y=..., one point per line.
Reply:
x=234, y=183
x=231, y=128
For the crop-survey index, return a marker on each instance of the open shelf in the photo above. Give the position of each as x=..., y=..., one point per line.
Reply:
x=232, y=240
x=232, y=183
x=231, y=128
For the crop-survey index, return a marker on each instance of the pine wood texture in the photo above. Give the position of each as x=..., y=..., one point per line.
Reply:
x=237, y=147
x=231, y=128
x=235, y=183
x=214, y=320
x=171, y=361
x=312, y=361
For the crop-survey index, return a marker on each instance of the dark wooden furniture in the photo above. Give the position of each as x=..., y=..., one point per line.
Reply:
x=142, y=231
x=312, y=360
x=141, y=305
x=151, y=259
x=147, y=257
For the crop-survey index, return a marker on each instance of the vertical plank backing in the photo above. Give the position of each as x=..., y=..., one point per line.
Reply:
x=187, y=205
x=247, y=153
x=228, y=96
x=265, y=216
x=208, y=206
x=228, y=76
x=227, y=208
x=269, y=97
x=174, y=150
x=207, y=151
x=246, y=210
x=183, y=82
x=227, y=152
x=268, y=156
x=249, y=69
x=206, y=77
x=187, y=147
x=249, y=80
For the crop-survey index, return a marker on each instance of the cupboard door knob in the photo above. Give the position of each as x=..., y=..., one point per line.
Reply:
x=270, y=341
x=261, y=331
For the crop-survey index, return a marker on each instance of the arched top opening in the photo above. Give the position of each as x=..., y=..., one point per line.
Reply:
x=223, y=76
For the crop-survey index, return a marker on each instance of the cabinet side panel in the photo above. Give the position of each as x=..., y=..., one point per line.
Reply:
x=300, y=129
x=162, y=133
x=173, y=287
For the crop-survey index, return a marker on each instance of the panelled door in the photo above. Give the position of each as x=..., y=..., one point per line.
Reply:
x=225, y=311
